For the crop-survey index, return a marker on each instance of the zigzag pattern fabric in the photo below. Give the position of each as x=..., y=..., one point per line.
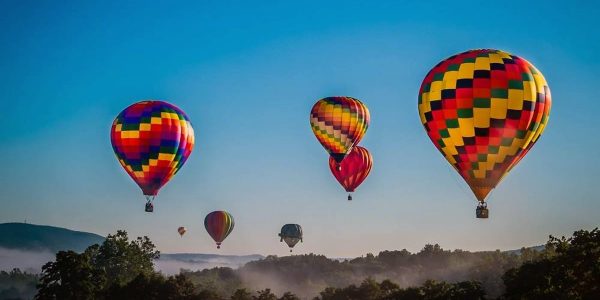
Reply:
x=152, y=140
x=354, y=169
x=484, y=109
x=219, y=225
x=339, y=123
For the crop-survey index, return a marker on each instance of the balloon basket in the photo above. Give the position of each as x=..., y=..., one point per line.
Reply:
x=482, y=211
x=149, y=207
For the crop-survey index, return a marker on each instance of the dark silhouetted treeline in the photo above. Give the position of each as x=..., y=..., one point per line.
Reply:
x=307, y=275
x=119, y=268
x=17, y=285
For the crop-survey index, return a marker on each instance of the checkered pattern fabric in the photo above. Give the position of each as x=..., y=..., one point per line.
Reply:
x=339, y=123
x=484, y=110
x=354, y=169
x=152, y=141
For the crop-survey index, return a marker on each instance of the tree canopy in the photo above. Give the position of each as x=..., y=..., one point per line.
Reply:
x=119, y=268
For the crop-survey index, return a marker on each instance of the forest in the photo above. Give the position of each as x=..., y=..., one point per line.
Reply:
x=122, y=268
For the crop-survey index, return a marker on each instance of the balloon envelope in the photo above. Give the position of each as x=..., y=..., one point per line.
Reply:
x=291, y=234
x=339, y=123
x=152, y=140
x=484, y=110
x=181, y=230
x=354, y=169
x=219, y=225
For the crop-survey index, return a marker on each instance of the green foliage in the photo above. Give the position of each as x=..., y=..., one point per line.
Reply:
x=220, y=280
x=156, y=286
x=17, y=284
x=571, y=270
x=85, y=276
x=306, y=275
x=71, y=276
x=122, y=260
x=370, y=289
x=265, y=295
x=241, y=294
x=568, y=268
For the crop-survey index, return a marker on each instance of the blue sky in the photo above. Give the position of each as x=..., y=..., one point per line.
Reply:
x=247, y=75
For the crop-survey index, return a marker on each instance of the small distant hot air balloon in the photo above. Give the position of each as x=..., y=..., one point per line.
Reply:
x=219, y=225
x=291, y=234
x=354, y=169
x=339, y=123
x=181, y=230
x=484, y=110
x=152, y=140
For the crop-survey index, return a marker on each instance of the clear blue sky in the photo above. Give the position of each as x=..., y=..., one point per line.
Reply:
x=247, y=76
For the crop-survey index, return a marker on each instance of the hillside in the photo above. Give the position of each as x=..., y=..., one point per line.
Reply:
x=174, y=263
x=22, y=236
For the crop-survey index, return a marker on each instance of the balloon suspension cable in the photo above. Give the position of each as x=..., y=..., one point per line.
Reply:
x=149, y=207
x=150, y=198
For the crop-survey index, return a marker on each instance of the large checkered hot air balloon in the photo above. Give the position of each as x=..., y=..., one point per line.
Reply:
x=152, y=141
x=353, y=170
x=219, y=224
x=484, y=110
x=339, y=123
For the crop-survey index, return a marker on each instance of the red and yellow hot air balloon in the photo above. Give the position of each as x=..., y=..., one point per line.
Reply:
x=353, y=170
x=219, y=225
x=181, y=230
x=339, y=123
x=484, y=110
x=152, y=141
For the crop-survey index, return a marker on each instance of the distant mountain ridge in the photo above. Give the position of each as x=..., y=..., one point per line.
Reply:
x=23, y=236
x=172, y=263
x=198, y=257
x=29, y=246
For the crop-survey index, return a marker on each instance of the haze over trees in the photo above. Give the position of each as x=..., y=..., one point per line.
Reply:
x=120, y=268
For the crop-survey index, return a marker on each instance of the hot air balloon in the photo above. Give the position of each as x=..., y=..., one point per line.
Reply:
x=354, y=169
x=152, y=141
x=181, y=230
x=291, y=234
x=339, y=123
x=484, y=110
x=219, y=225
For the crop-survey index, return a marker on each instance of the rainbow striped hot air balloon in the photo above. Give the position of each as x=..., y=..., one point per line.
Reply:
x=152, y=140
x=484, y=110
x=219, y=225
x=339, y=123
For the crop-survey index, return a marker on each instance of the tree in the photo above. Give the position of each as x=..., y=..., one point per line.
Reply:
x=116, y=262
x=17, y=284
x=71, y=276
x=241, y=294
x=122, y=260
x=265, y=295
x=571, y=271
x=156, y=287
x=386, y=290
x=288, y=296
